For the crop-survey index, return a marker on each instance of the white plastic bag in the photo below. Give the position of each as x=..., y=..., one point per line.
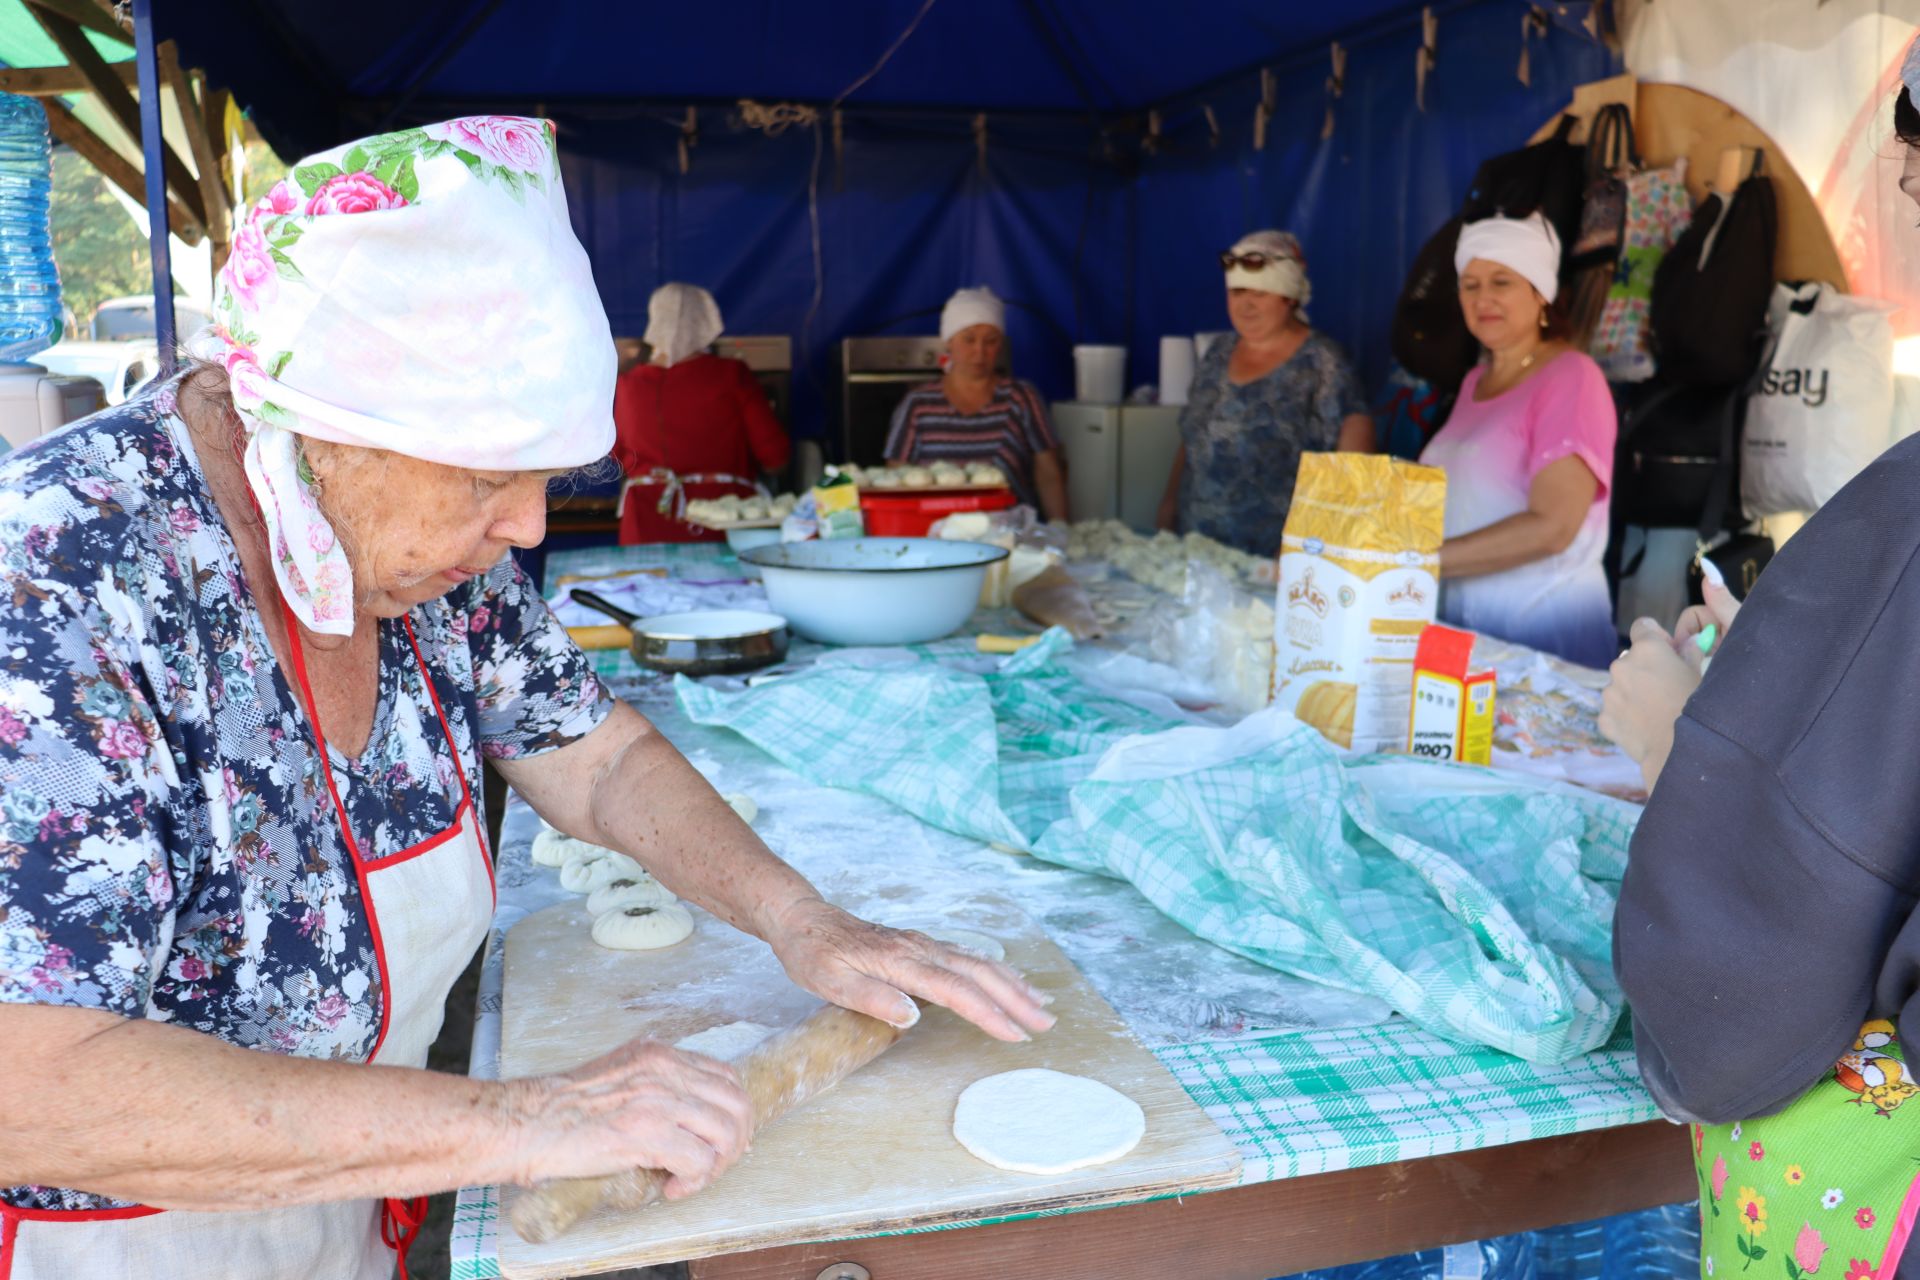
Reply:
x=1824, y=407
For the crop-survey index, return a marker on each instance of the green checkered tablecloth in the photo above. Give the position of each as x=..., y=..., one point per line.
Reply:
x=1294, y=1103
x=1477, y=905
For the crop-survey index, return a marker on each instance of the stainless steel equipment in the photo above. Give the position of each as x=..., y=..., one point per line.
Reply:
x=1118, y=459
x=770, y=356
x=875, y=376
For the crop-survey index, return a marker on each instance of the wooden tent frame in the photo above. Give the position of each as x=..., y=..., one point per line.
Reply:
x=196, y=207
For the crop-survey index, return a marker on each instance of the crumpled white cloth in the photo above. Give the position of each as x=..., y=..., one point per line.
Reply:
x=420, y=292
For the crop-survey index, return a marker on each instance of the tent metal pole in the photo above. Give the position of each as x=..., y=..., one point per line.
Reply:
x=152, y=147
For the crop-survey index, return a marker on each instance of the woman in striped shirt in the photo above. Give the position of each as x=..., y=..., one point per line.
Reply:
x=974, y=415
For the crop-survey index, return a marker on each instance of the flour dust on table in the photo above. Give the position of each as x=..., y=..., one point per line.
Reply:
x=1040, y=1121
x=980, y=942
x=729, y=1042
x=642, y=928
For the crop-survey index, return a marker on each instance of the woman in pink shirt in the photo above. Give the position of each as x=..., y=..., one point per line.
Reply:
x=1528, y=454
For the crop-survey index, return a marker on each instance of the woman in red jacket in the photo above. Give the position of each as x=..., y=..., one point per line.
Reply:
x=690, y=424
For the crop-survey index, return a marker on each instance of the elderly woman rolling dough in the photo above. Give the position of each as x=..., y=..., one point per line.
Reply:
x=260, y=628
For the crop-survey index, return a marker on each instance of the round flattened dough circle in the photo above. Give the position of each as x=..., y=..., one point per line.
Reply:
x=986, y=946
x=744, y=805
x=553, y=848
x=916, y=478
x=728, y=1042
x=629, y=891
x=584, y=873
x=1040, y=1121
x=642, y=928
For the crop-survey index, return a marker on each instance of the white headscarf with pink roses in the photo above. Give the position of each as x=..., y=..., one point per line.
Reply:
x=422, y=292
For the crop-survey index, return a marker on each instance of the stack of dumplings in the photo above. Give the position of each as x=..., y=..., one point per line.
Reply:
x=631, y=910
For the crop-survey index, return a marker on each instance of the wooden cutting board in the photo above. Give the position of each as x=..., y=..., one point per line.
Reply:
x=876, y=1154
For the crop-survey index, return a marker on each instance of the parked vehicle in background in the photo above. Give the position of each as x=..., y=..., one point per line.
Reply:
x=117, y=319
x=121, y=368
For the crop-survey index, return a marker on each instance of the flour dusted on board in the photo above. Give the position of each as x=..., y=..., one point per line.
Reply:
x=1359, y=581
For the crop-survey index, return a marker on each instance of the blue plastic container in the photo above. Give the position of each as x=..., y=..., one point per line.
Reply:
x=29, y=282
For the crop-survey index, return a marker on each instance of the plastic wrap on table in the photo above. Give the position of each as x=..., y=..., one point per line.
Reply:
x=1030, y=549
x=1053, y=598
x=1218, y=634
x=1161, y=560
x=1547, y=720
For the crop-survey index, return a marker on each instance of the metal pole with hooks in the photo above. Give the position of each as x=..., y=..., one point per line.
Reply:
x=152, y=147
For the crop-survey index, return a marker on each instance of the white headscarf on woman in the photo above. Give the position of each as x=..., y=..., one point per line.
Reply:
x=1527, y=245
x=421, y=292
x=682, y=321
x=1285, y=272
x=969, y=307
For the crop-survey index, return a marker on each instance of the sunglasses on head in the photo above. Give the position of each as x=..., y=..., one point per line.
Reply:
x=1255, y=261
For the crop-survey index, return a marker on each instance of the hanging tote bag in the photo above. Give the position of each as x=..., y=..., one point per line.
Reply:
x=1823, y=408
x=1658, y=210
x=1603, y=213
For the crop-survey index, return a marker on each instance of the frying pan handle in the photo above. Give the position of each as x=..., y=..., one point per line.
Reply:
x=600, y=604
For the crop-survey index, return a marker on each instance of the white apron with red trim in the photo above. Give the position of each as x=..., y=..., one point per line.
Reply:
x=428, y=907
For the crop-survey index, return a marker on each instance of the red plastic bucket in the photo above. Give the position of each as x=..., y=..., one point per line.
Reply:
x=896, y=515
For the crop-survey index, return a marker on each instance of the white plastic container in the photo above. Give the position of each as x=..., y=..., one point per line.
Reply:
x=1176, y=368
x=871, y=591
x=1100, y=374
x=1205, y=339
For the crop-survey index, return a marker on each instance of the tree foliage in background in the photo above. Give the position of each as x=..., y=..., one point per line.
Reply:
x=98, y=248
x=99, y=251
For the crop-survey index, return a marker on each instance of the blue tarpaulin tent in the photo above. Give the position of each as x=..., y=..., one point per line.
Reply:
x=1086, y=158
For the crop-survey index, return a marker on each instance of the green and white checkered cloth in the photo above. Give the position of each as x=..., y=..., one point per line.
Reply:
x=1478, y=906
x=1320, y=1101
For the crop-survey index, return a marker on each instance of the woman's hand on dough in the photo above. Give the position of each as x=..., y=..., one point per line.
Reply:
x=1650, y=687
x=643, y=1106
x=872, y=969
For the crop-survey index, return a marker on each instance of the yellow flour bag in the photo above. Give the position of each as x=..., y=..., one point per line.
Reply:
x=1359, y=581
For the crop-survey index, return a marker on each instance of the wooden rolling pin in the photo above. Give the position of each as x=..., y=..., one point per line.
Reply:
x=780, y=1073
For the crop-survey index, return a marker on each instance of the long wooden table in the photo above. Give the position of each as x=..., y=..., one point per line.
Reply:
x=1276, y=1228
x=1289, y=1217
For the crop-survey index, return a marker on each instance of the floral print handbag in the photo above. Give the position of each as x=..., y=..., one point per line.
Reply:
x=1825, y=1188
x=1658, y=211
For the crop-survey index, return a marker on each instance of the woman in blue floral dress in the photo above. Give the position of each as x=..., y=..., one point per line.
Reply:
x=1274, y=390
x=257, y=631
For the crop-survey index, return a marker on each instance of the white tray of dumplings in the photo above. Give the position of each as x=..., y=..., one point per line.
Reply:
x=736, y=512
x=944, y=477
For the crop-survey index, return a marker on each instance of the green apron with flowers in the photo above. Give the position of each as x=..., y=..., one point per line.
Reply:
x=1825, y=1188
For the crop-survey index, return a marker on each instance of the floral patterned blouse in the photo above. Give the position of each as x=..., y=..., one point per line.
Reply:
x=1244, y=442
x=168, y=849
